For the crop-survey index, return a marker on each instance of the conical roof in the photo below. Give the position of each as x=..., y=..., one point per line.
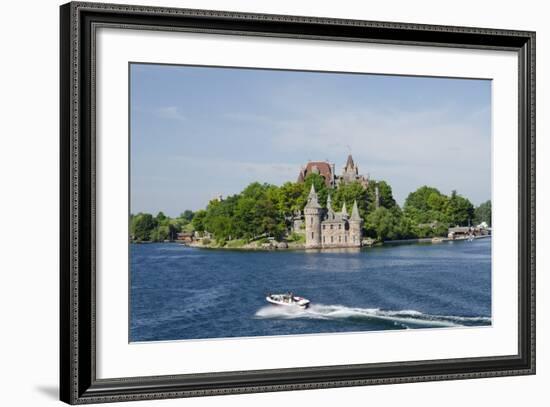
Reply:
x=312, y=200
x=344, y=210
x=349, y=162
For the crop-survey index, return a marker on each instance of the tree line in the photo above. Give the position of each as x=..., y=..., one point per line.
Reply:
x=265, y=210
x=145, y=227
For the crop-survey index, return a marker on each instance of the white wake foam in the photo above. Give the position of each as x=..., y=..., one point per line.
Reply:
x=404, y=318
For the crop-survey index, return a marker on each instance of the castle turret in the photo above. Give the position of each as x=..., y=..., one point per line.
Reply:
x=350, y=165
x=350, y=170
x=344, y=211
x=313, y=214
x=355, y=226
x=355, y=212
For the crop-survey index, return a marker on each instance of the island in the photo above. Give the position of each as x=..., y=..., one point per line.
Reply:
x=320, y=210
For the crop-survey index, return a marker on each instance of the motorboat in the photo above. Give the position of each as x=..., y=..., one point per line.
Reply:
x=288, y=299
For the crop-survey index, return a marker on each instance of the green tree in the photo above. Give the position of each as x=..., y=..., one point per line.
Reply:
x=187, y=228
x=187, y=215
x=482, y=213
x=426, y=205
x=421, y=198
x=142, y=226
x=198, y=220
x=257, y=212
x=291, y=198
x=160, y=233
x=246, y=218
x=437, y=202
x=384, y=224
x=173, y=229
x=219, y=218
x=459, y=210
x=406, y=228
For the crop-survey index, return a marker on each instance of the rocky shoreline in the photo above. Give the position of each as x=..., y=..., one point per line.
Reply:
x=263, y=246
x=250, y=246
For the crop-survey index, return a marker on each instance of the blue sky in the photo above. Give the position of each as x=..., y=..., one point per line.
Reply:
x=197, y=132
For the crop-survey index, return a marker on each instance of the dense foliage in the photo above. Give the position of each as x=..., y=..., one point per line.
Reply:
x=483, y=213
x=146, y=227
x=265, y=210
x=431, y=212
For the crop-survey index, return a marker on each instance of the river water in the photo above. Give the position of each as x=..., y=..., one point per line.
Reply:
x=178, y=292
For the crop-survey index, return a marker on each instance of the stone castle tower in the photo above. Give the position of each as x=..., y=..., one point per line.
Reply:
x=312, y=215
x=331, y=229
x=355, y=226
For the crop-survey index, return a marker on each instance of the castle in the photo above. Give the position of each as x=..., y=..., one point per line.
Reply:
x=328, y=172
x=326, y=228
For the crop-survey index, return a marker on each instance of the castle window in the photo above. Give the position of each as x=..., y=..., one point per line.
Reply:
x=340, y=238
x=323, y=239
x=311, y=221
x=345, y=239
x=331, y=226
x=312, y=235
x=324, y=227
x=340, y=226
x=331, y=239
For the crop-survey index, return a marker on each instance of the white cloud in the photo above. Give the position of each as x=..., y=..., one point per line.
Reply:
x=409, y=149
x=388, y=136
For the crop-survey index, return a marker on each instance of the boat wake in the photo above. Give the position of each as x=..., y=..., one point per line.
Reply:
x=404, y=318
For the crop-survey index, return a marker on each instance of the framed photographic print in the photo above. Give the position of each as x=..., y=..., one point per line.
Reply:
x=255, y=203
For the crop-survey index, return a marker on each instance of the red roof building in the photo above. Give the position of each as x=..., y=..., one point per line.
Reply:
x=323, y=168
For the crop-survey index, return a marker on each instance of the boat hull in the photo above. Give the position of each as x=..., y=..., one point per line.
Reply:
x=297, y=302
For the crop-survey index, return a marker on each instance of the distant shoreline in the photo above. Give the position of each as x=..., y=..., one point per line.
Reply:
x=432, y=240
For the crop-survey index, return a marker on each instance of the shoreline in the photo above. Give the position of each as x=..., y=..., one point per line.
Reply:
x=301, y=247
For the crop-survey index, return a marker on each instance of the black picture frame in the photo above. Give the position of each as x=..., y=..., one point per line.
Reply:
x=78, y=382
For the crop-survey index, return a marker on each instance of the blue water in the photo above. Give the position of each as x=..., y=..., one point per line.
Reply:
x=179, y=292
